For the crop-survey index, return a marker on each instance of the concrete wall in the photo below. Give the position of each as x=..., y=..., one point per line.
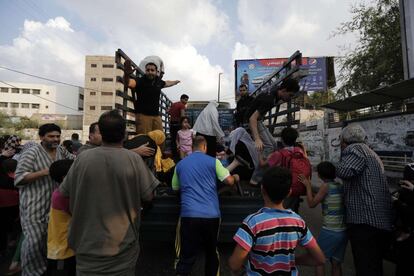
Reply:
x=392, y=134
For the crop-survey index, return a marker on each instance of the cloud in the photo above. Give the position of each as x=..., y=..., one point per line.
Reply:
x=52, y=49
x=196, y=22
x=55, y=50
x=279, y=28
x=187, y=34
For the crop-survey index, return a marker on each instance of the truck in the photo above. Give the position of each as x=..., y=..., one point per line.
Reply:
x=159, y=221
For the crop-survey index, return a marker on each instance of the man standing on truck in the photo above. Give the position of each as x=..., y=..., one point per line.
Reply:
x=146, y=93
x=195, y=177
x=242, y=105
x=263, y=103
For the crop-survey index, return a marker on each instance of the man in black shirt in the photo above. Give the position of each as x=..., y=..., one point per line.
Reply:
x=146, y=93
x=243, y=105
x=263, y=103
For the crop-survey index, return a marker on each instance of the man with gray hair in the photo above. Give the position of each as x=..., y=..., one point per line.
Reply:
x=367, y=201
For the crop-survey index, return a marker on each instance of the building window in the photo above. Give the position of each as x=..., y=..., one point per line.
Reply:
x=47, y=92
x=93, y=65
x=26, y=91
x=92, y=93
x=107, y=93
x=93, y=79
x=36, y=91
x=92, y=107
x=4, y=90
x=14, y=105
x=15, y=90
x=25, y=105
x=3, y=104
x=47, y=107
x=108, y=79
x=107, y=65
x=106, y=107
x=36, y=106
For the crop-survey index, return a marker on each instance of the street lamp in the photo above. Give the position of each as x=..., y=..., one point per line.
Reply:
x=218, y=90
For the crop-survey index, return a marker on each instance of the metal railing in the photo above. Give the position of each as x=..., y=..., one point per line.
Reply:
x=289, y=68
x=395, y=163
x=129, y=96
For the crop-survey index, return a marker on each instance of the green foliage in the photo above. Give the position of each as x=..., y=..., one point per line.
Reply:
x=377, y=59
x=318, y=99
x=8, y=126
x=26, y=123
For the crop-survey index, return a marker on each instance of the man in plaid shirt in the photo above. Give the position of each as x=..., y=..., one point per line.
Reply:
x=367, y=201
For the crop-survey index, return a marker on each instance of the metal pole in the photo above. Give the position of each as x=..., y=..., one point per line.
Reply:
x=218, y=90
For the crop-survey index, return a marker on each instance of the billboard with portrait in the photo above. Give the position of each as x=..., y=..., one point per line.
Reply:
x=252, y=72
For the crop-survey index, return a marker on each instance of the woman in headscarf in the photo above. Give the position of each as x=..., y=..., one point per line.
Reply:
x=9, y=196
x=207, y=125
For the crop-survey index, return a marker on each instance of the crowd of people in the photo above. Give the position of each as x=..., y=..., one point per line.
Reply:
x=79, y=206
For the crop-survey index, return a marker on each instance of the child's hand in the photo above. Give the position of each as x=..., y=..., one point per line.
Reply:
x=8, y=153
x=305, y=181
x=407, y=185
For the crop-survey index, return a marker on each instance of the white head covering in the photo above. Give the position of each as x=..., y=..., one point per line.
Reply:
x=208, y=121
x=152, y=59
x=240, y=134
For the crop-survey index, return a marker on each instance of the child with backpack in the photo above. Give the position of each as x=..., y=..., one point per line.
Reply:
x=268, y=238
x=292, y=157
x=332, y=238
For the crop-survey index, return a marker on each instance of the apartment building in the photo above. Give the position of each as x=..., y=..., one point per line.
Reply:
x=26, y=99
x=100, y=88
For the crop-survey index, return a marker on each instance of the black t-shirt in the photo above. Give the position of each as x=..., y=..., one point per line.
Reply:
x=242, y=107
x=147, y=95
x=263, y=103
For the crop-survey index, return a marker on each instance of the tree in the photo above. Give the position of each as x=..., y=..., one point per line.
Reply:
x=317, y=99
x=377, y=59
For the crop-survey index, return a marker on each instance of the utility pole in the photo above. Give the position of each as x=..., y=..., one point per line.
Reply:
x=218, y=90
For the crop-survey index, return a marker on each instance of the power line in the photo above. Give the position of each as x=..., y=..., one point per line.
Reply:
x=51, y=80
x=41, y=97
x=43, y=78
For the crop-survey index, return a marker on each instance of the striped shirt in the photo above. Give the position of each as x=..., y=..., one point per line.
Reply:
x=271, y=237
x=35, y=200
x=333, y=209
x=366, y=192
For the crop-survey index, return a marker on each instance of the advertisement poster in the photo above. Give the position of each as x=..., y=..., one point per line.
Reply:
x=253, y=72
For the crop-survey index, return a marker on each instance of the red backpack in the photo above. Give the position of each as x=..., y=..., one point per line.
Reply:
x=297, y=163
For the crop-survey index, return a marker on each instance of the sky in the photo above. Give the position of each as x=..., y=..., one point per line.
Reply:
x=197, y=39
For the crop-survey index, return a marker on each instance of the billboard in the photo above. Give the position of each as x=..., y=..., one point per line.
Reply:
x=253, y=72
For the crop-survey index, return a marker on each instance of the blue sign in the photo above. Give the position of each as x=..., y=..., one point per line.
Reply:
x=253, y=72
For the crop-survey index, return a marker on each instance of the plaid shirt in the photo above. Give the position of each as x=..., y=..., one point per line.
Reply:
x=366, y=192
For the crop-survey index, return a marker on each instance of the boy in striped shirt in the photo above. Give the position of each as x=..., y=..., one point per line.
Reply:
x=269, y=237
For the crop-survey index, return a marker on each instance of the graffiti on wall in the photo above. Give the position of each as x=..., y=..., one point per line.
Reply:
x=391, y=133
x=314, y=144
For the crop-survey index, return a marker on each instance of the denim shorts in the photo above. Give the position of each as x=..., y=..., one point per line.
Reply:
x=333, y=244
